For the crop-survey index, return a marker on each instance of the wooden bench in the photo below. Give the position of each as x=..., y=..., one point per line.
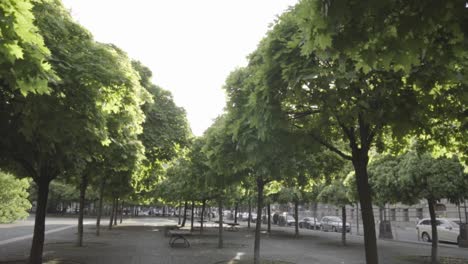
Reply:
x=179, y=237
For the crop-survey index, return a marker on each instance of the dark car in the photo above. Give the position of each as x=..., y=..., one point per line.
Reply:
x=309, y=223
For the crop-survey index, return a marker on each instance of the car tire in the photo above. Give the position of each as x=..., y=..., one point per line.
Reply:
x=426, y=237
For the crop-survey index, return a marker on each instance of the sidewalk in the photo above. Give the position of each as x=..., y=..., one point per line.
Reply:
x=137, y=243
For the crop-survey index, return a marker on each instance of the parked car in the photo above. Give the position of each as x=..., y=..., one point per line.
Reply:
x=290, y=221
x=309, y=223
x=333, y=223
x=448, y=229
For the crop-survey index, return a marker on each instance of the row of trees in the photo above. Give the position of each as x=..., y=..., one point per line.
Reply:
x=328, y=92
x=78, y=110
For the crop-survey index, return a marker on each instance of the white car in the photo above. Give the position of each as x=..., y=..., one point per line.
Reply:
x=448, y=229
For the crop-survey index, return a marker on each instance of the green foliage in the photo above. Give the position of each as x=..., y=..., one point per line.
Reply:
x=23, y=55
x=13, y=198
x=336, y=193
x=412, y=176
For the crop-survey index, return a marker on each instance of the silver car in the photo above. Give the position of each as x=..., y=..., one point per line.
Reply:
x=333, y=223
x=448, y=229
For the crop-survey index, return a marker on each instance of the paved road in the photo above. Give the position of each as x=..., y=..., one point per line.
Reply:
x=141, y=241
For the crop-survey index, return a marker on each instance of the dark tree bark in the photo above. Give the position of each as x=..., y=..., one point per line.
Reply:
x=434, y=236
x=185, y=214
x=202, y=215
x=99, y=214
x=43, y=181
x=269, y=218
x=343, y=225
x=116, y=213
x=360, y=160
x=296, y=217
x=192, y=216
x=220, y=226
x=121, y=211
x=250, y=213
x=180, y=211
x=83, y=186
x=315, y=214
x=235, y=212
x=258, y=224
x=111, y=220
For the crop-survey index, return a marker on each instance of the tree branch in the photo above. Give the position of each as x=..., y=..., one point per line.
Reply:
x=349, y=132
x=297, y=115
x=26, y=166
x=331, y=147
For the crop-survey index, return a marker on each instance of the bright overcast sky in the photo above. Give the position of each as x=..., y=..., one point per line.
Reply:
x=190, y=46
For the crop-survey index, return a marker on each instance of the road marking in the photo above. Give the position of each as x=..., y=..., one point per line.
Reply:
x=15, y=239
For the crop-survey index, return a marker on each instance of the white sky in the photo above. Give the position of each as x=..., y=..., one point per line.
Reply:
x=190, y=46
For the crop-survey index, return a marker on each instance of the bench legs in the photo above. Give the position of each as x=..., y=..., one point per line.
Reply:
x=182, y=241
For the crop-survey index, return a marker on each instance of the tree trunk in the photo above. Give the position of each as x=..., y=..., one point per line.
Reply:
x=192, y=216
x=83, y=186
x=185, y=214
x=360, y=160
x=269, y=218
x=258, y=223
x=220, y=226
x=250, y=213
x=111, y=220
x=296, y=217
x=315, y=215
x=180, y=211
x=343, y=226
x=99, y=214
x=434, y=236
x=35, y=256
x=116, y=213
x=202, y=215
x=235, y=212
x=121, y=211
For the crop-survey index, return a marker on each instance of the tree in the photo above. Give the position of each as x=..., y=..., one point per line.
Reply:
x=165, y=134
x=14, y=198
x=336, y=193
x=362, y=79
x=50, y=136
x=414, y=176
